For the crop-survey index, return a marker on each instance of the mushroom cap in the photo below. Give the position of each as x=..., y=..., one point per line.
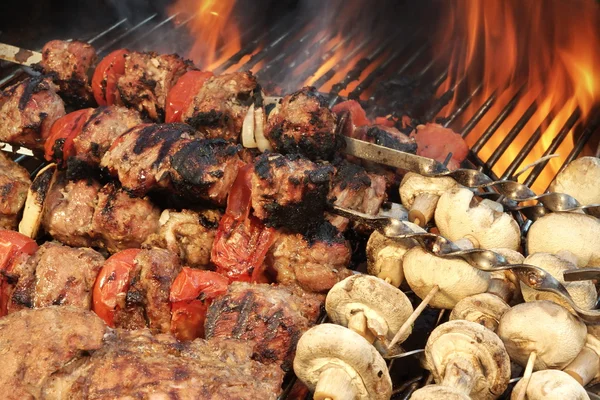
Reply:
x=556, y=335
x=455, y=278
x=384, y=305
x=329, y=345
x=512, y=256
x=456, y=217
x=580, y=179
x=471, y=341
x=573, y=232
x=384, y=255
x=484, y=308
x=551, y=384
x=414, y=184
x=439, y=392
x=583, y=292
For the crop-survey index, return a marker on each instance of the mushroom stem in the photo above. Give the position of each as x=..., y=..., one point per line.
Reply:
x=459, y=374
x=423, y=208
x=415, y=314
x=584, y=367
x=358, y=323
x=504, y=289
x=467, y=243
x=527, y=375
x=334, y=384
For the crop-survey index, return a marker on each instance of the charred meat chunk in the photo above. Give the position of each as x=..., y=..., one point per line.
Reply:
x=290, y=191
x=270, y=316
x=147, y=80
x=189, y=234
x=219, y=108
x=37, y=343
x=27, y=111
x=68, y=64
x=205, y=169
x=138, y=365
x=386, y=136
x=303, y=124
x=14, y=183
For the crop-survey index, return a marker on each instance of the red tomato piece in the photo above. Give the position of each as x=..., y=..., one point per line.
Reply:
x=357, y=116
x=435, y=141
x=385, y=121
x=112, y=284
x=12, y=245
x=65, y=130
x=107, y=73
x=181, y=95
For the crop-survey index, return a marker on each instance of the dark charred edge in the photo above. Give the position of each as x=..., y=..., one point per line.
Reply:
x=207, y=220
x=167, y=135
x=57, y=150
x=245, y=308
x=210, y=119
x=350, y=176
x=95, y=115
x=319, y=146
x=311, y=92
x=6, y=189
x=257, y=96
x=77, y=170
x=384, y=138
x=32, y=85
x=325, y=232
x=41, y=184
x=75, y=92
x=111, y=193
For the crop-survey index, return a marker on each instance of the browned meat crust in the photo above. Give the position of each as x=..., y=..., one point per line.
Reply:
x=37, y=343
x=68, y=63
x=27, y=111
x=270, y=316
x=302, y=123
x=219, y=108
x=147, y=80
x=386, y=136
x=14, y=183
x=137, y=365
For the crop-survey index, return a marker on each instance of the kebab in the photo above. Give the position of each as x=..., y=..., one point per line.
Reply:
x=14, y=185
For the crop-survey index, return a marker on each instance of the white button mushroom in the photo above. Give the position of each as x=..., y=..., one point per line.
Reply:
x=384, y=255
x=34, y=205
x=420, y=194
x=542, y=327
x=585, y=368
x=583, y=292
x=485, y=309
x=550, y=384
x=439, y=392
x=505, y=284
x=460, y=218
x=468, y=357
x=338, y=364
x=576, y=233
x=580, y=179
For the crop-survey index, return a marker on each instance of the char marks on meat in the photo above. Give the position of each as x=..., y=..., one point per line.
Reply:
x=138, y=365
x=270, y=316
x=14, y=183
x=303, y=124
x=290, y=191
x=386, y=136
x=68, y=63
x=27, y=111
x=219, y=108
x=147, y=80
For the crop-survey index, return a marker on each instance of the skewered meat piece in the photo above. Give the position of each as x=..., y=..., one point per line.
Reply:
x=37, y=343
x=189, y=234
x=147, y=80
x=303, y=124
x=437, y=142
x=386, y=136
x=27, y=111
x=315, y=262
x=290, y=191
x=55, y=275
x=219, y=108
x=270, y=316
x=14, y=183
x=68, y=64
x=139, y=365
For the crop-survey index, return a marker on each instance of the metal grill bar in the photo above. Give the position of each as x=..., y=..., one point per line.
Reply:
x=293, y=49
x=125, y=34
x=591, y=128
x=330, y=74
x=485, y=107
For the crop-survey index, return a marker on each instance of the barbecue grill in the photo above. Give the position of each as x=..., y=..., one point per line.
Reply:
x=397, y=73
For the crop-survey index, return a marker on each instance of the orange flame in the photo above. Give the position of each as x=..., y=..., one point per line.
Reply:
x=551, y=48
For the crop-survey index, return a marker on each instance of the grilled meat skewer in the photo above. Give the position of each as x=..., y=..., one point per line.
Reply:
x=14, y=183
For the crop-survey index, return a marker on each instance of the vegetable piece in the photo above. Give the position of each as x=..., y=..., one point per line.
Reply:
x=106, y=75
x=59, y=145
x=13, y=245
x=182, y=94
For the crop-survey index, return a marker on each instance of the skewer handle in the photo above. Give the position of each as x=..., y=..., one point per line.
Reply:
x=18, y=55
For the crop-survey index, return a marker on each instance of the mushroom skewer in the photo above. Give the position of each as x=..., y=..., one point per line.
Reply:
x=550, y=384
x=420, y=194
x=585, y=368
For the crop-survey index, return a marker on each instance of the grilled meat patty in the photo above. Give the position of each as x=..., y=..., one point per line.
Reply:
x=219, y=108
x=147, y=80
x=302, y=123
x=189, y=234
x=290, y=191
x=68, y=64
x=14, y=183
x=37, y=343
x=138, y=365
x=270, y=316
x=27, y=111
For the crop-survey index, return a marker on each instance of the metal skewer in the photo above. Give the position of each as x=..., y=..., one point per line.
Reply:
x=18, y=55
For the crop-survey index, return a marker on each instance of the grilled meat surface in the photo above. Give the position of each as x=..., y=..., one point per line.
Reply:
x=68, y=63
x=189, y=234
x=290, y=191
x=386, y=136
x=37, y=343
x=219, y=108
x=302, y=123
x=147, y=80
x=14, y=183
x=270, y=316
x=27, y=111
x=138, y=365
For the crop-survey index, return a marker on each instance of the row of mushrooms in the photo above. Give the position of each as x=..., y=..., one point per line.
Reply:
x=496, y=321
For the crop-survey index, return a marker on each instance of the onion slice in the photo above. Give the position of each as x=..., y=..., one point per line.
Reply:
x=34, y=205
x=248, y=129
x=259, y=130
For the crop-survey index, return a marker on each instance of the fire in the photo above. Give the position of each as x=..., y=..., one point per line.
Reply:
x=549, y=48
